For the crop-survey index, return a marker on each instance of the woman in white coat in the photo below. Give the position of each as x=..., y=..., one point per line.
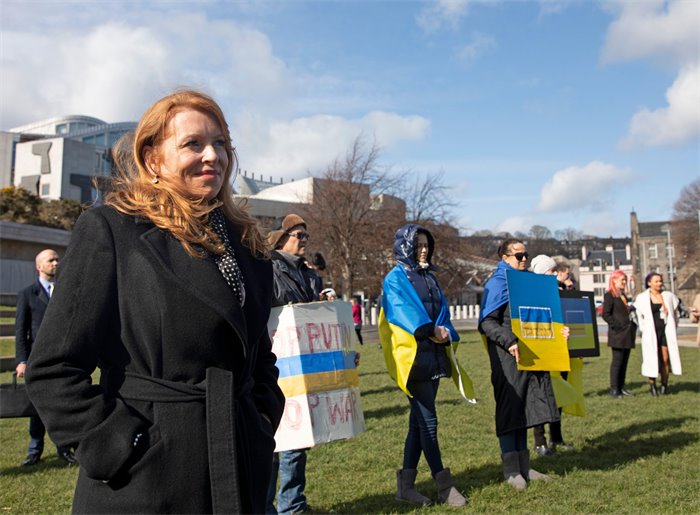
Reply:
x=657, y=311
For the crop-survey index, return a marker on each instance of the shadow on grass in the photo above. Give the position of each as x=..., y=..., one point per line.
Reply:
x=373, y=391
x=625, y=445
x=50, y=463
x=387, y=411
x=673, y=388
x=607, y=452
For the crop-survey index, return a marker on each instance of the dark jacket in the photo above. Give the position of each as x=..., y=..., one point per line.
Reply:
x=621, y=330
x=431, y=361
x=293, y=282
x=523, y=399
x=182, y=364
x=31, y=306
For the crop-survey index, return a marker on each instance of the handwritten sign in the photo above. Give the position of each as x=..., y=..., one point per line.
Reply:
x=318, y=376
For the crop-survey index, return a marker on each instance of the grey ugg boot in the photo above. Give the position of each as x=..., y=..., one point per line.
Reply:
x=406, y=488
x=511, y=470
x=526, y=471
x=447, y=493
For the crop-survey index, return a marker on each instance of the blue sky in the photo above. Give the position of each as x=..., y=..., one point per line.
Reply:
x=557, y=113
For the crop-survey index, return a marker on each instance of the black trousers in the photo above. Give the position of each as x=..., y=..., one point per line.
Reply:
x=618, y=367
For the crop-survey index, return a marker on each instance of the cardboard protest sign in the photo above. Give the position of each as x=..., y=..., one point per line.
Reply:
x=578, y=310
x=537, y=321
x=318, y=376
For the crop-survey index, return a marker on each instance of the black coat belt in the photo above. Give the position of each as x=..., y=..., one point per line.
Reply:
x=217, y=391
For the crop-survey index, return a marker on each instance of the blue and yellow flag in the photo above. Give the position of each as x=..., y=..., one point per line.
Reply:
x=401, y=314
x=569, y=392
x=536, y=319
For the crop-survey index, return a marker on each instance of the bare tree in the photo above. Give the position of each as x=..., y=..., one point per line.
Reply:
x=353, y=218
x=568, y=234
x=686, y=229
x=540, y=232
x=427, y=198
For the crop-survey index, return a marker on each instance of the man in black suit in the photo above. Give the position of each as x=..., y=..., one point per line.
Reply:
x=31, y=305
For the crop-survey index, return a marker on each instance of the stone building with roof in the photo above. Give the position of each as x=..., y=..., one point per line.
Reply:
x=653, y=251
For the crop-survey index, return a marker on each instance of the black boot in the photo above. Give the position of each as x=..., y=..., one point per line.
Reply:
x=664, y=390
x=615, y=393
x=652, y=390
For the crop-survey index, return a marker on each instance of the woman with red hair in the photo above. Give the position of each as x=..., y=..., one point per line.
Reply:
x=618, y=312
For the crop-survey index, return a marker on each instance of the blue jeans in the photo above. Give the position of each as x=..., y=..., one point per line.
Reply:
x=513, y=441
x=422, y=426
x=37, y=431
x=292, y=473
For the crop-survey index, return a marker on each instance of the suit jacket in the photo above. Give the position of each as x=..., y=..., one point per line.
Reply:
x=31, y=306
x=621, y=330
x=188, y=386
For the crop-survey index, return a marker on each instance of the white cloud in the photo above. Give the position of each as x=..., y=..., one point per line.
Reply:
x=665, y=30
x=550, y=7
x=677, y=123
x=442, y=12
x=86, y=72
x=309, y=144
x=605, y=223
x=582, y=187
x=520, y=223
x=480, y=44
x=668, y=32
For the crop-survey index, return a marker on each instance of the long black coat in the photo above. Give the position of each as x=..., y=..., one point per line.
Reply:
x=31, y=306
x=621, y=330
x=523, y=399
x=181, y=364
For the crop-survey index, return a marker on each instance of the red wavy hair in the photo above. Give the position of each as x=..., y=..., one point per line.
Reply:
x=166, y=203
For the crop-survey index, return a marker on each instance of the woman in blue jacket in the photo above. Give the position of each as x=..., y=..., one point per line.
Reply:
x=416, y=331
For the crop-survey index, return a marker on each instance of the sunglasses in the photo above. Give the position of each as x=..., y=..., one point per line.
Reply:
x=301, y=235
x=520, y=256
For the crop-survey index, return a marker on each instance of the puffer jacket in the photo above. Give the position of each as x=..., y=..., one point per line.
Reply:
x=431, y=361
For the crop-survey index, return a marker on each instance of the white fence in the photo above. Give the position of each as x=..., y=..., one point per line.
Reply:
x=463, y=312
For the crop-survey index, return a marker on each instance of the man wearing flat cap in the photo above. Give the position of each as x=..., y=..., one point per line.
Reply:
x=294, y=283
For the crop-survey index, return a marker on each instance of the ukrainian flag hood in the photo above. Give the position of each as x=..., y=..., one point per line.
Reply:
x=402, y=312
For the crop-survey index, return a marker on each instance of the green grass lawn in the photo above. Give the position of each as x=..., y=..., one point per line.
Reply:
x=7, y=346
x=636, y=455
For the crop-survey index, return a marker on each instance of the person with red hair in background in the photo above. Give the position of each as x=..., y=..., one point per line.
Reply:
x=619, y=314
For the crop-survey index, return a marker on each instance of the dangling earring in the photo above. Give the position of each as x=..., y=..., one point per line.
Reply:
x=155, y=179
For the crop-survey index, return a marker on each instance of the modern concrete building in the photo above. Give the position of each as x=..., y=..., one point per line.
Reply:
x=60, y=157
x=19, y=245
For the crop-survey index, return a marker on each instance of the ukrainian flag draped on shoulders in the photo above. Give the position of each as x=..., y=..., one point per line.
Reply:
x=402, y=313
x=567, y=392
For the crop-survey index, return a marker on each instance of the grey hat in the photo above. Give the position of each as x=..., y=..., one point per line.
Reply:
x=542, y=264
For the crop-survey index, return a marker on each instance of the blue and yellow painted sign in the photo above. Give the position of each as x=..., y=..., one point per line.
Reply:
x=537, y=321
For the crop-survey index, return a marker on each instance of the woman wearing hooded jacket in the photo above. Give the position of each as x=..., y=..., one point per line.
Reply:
x=523, y=399
x=415, y=331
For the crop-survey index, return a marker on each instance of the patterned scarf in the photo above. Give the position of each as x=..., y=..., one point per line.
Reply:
x=227, y=261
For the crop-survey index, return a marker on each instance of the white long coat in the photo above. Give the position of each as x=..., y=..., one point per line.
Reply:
x=650, y=363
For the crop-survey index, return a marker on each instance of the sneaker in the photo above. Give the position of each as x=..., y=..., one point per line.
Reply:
x=545, y=451
x=626, y=393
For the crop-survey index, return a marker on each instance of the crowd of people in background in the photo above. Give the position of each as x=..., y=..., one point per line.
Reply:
x=196, y=346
